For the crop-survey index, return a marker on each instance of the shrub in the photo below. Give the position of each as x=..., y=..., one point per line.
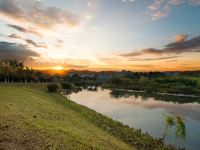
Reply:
x=67, y=85
x=119, y=82
x=52, y=87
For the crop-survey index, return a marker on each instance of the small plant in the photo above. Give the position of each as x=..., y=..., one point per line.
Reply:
x=180, y=128
x=178, y=122
x=169, y=122
x=52, y=87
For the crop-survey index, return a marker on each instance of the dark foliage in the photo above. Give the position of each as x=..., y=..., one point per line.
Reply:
x=16, y=71
x=67, y=85
x=176, y=85
x=52, y=87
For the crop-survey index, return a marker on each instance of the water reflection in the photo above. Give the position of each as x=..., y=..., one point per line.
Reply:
x=122, y=94
x=145, y=96
x=140, y=110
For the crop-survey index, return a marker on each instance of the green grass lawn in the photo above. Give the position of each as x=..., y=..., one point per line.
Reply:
x=32, y=118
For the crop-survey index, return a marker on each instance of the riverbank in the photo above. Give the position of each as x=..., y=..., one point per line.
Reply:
x=158, y=93
x=167, y=97
x=32, y=118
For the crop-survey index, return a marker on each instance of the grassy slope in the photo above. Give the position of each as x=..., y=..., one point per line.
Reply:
x=32, y=118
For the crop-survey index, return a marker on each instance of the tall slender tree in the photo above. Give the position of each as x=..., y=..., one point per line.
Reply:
x=13, y=70
x=4, y=65
x=20, y=68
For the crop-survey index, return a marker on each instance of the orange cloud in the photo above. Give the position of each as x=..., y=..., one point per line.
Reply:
x=186, y=46
x=162, y=8
x=180, y=37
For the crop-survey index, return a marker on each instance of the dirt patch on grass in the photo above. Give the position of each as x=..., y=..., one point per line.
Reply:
x=11, y=145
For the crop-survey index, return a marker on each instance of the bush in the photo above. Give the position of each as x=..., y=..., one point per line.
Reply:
x=120, y=82
x=67, y=85
x=52, y=87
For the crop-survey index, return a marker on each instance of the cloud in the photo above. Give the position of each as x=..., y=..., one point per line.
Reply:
x=91, y=3
x=151, y=59
x=31, y=42
x=155, y=5
x=35, y=13
x=109, y=60
x=68, y=63
x=184, y=46
x=180, y=37
x=132, y=54
x=191, y=45
x=162, y=8
x=15, y=36
x=88, y=17
x=28, y=41
x=59, y=44
x=142, y=52
x=142, y=66
x=16, y=51
x=171, y=60
x=76, y=66
x=194, y=2
x=22, y=29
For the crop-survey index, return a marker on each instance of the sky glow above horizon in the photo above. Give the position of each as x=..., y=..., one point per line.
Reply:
x=137, y=35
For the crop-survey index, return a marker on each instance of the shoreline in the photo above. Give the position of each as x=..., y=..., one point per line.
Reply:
x=65, y=119
x=115, y=128
x=160, y=93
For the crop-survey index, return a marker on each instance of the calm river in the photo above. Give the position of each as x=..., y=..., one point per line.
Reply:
x=145, y=112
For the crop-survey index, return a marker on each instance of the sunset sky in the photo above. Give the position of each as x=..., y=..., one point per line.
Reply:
x=137, y=35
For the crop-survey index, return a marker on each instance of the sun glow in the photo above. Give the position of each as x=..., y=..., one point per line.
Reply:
x=58, y=68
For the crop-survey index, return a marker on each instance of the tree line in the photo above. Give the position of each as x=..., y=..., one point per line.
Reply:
x=167, y=84
x=15, y=71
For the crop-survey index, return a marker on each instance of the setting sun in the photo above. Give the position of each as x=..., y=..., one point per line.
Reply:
x=125, y=70
x=58, y=68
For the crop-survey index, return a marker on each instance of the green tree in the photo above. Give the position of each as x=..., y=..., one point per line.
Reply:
x=20, y=70
x=5, y=69
x=13, y=68
x=27, y=73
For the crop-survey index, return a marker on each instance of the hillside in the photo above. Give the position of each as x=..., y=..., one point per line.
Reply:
x=32, y=118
